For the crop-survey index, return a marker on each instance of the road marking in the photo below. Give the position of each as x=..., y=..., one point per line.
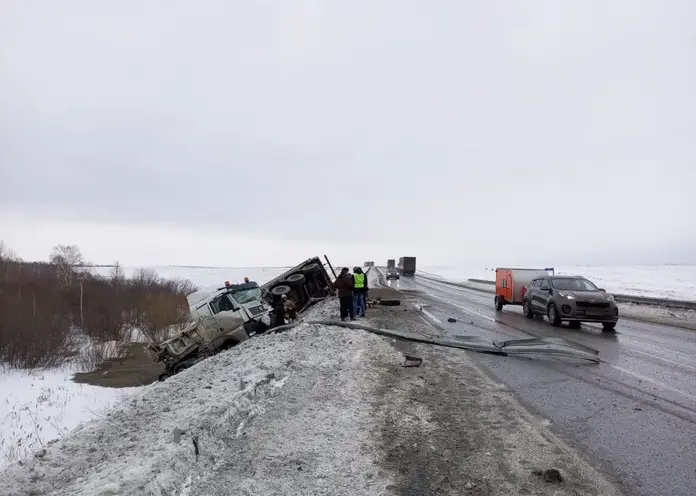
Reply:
x=652, y=381
x=431, y=316
x=464, y=309
x=632, y=350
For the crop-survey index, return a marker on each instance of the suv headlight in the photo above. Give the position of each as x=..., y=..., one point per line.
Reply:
x=610, y=297
x=565, y=295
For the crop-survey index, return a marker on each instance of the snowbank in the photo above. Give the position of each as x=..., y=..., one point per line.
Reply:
x=279, y=414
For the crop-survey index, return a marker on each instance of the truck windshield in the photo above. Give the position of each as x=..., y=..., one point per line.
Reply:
x=570, y=284
x=243, y=296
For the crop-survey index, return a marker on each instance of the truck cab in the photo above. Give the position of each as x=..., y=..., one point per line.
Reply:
x=232, y=303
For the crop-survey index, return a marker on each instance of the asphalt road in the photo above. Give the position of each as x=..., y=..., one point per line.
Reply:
x=634, y=414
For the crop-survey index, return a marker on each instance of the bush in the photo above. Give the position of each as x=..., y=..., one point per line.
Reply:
x=42, y=305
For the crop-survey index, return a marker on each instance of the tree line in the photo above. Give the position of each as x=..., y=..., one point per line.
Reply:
x=47, y=308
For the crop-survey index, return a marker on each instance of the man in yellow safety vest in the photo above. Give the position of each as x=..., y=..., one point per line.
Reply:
x=359, y=291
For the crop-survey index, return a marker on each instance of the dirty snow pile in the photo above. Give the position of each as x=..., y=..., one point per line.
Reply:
x=288, y=413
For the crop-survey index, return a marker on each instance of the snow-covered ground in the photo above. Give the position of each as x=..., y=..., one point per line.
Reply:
x=659, y=281
x=307, y=388
x=42, y=405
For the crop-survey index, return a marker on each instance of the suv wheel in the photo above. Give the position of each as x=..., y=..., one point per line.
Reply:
x=609, y=326
x=527, y=309
x=552, y=314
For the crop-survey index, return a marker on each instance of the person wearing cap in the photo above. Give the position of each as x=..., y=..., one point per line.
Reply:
x=359, y=291
x=289, y=306
x=344, y=285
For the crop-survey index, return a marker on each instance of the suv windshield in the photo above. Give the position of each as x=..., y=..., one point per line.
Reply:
x=571, y=284
x=242, y=296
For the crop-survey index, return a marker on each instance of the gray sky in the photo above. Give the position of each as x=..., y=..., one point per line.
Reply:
x=259, y=132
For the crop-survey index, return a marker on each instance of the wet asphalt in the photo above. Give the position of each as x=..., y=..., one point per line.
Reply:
x=633, y=415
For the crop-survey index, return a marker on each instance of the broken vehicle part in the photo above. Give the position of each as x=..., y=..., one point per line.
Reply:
x=536, y=346
x=411, y=361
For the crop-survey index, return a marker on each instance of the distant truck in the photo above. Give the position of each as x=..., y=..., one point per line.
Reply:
x=391, y=263
x=407, y=266
x=222, y=317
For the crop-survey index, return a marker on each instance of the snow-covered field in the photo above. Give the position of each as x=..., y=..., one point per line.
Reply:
x=659, y=281
x=41, y=405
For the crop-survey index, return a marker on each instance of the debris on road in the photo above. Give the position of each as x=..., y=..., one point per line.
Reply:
x=558, y=347
x=549, y=475
x=451, y=319
x=411, y=361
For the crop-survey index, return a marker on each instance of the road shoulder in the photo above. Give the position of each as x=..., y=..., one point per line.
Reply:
x=449, y=429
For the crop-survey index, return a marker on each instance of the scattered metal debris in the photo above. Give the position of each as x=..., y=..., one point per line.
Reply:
x=196, y=451
x=536, y=346
x=411, y=361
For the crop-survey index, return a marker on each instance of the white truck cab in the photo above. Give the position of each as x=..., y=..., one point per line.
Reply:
x=242, y=300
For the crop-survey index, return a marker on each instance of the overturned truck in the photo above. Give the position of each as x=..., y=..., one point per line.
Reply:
x=222, y=317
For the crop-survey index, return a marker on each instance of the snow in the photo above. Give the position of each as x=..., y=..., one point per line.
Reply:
x=298, y=404
x=658, y=281
x=42, y=405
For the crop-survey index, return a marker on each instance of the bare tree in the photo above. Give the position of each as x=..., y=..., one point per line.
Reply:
x=117, y=274
x=65, y=258
x=8, y=254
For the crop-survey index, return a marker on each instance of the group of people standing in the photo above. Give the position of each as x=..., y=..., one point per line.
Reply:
x=352, y=292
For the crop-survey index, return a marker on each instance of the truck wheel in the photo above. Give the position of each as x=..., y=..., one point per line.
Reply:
x=295, y=280
x=554, y=318
x=179, y=368
x=164, y=376
x=311, y=268
x=609, y=326
x=498, y=303
x=281, y=290
x=527, y=309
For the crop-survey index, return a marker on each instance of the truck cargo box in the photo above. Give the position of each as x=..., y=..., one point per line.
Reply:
x=407, y=266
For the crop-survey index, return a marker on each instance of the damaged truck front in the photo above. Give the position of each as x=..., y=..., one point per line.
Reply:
x=222, y=317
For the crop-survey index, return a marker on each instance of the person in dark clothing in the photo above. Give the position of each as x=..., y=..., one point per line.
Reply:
x=359, y=291
x=280, y=313
x=344, y=285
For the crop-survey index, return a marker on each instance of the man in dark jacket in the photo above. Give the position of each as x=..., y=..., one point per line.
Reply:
x=344, y=285
x=359, y=291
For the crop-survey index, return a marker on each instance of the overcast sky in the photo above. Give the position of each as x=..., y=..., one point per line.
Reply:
x=263, y=132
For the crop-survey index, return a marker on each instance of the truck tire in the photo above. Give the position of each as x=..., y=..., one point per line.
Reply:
x=164, y=376
x=552, y=314
x=281, y=290
x=498, y=303
x=294, y=280
x=527, y=309
x=311, y=268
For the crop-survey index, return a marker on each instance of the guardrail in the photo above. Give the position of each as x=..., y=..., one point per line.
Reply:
x=621, y=298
